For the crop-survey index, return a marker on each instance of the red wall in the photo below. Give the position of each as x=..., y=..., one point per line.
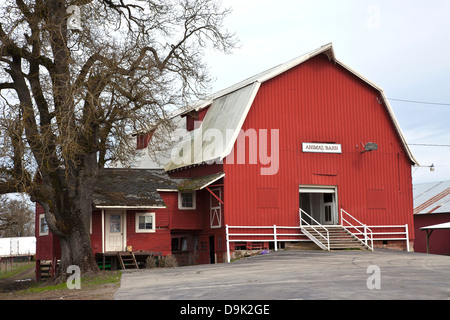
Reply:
x=439, y=239
x=47, y=247
x=319, y=101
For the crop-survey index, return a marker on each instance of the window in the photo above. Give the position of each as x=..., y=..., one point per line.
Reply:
x=145, y=222
x=43, y=226
x=179, y=244
x=327, y=213
x=186, y=200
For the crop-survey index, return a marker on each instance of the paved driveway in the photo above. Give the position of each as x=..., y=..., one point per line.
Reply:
x=285, y=275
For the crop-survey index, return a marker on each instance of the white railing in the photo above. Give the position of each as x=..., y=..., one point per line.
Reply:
x=389, y=235
x=277, y=234
x=325, y=236
x=273, y=234
x=366, y=234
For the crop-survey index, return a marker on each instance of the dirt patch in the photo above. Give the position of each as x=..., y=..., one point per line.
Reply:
x=24, y=287
x=19, y=281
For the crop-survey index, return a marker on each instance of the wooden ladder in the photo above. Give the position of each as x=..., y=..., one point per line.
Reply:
x=127, y=260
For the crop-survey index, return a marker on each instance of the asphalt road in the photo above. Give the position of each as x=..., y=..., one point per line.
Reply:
x=298, y=275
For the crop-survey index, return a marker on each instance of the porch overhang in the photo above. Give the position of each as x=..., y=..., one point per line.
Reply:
x=200, y=183
x=429, y=230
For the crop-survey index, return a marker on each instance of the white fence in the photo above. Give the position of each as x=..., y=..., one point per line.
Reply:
x=19, y=246
x=277, y=234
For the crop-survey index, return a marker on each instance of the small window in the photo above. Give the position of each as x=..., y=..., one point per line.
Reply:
x=145, y=222
x=43, y=226
x=186, y=200
x=179, y=244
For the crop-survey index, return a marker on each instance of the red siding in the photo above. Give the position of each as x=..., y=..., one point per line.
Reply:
x=47, y=247
x=159, y=241
x=319, y=101
x=96, y=235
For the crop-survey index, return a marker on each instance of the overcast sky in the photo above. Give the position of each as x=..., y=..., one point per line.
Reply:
x=402, y=46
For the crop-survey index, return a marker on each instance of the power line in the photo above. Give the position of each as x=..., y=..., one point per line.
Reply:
x=429, y=145
x=421, y=102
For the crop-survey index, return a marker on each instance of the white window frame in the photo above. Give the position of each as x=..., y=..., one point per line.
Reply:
x=180, y=200
x=146, y=214
x=43, y=233
x=215, y=212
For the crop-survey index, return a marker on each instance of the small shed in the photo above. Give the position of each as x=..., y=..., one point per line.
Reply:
x=429, y=230
x=432, y=216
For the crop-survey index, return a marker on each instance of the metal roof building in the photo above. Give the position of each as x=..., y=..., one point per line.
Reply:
x=432, y=197
x=432, y=216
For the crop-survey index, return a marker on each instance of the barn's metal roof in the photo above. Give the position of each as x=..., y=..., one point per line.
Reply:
x=433, y=197
x=215, y=137
x=228, y=109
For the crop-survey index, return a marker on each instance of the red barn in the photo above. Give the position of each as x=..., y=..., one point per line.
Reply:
x=284, y=156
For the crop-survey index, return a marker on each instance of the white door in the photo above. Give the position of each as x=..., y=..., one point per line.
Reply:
x=114, y=231
x=328, y=212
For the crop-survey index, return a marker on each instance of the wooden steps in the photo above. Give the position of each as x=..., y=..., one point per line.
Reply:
x=45, y=269
x=340, y=238
x=127, y=260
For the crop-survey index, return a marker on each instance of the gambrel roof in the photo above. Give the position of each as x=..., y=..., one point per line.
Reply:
x=228, y=110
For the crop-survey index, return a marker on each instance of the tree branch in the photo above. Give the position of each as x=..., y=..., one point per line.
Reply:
x=6, y=85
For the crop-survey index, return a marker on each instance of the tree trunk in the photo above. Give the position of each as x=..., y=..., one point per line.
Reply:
x=72, y=224
x=76, y=250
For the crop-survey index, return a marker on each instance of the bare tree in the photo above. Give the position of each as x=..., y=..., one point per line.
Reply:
x=16, y=218
x=74, y=84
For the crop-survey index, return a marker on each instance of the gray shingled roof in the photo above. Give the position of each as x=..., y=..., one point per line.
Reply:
x=132, y=187
x=138, y=188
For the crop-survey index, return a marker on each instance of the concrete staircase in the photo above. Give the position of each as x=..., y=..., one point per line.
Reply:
x=340, y=238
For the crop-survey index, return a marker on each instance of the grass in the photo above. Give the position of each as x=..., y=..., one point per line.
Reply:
x=19, y=267
x=104, y=278
x=101, y=286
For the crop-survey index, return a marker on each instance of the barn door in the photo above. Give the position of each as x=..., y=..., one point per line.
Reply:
x=320, y=203
x=215, y=215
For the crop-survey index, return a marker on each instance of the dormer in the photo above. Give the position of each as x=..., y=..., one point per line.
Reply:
x=194, y=118
x=143, y=139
